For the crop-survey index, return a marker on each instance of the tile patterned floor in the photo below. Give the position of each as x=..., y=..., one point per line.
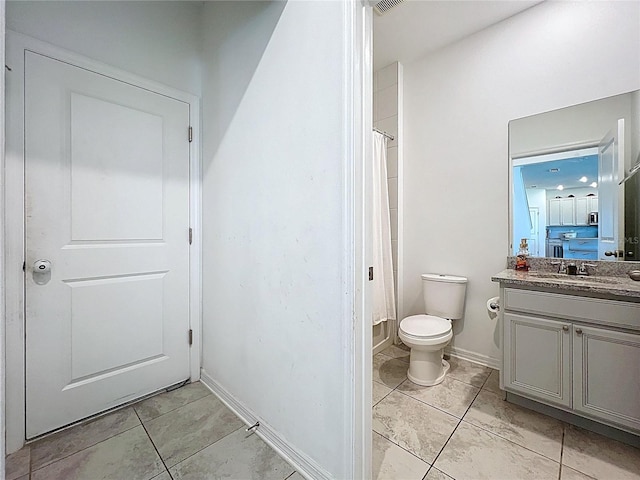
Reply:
x=184, y=434
x=460, y=429
x=463, y=429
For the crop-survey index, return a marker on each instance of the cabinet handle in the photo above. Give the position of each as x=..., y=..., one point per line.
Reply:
x=565, y=328
x=579, y=331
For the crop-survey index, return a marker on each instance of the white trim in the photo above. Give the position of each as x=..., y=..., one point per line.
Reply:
x=357, y=173
x=304, y=465
x=552, y=157
x=400, y=254
x=14, y=195
x=473, y=357
x=2, y=250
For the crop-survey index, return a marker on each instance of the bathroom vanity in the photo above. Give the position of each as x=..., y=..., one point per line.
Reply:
x=573, y=343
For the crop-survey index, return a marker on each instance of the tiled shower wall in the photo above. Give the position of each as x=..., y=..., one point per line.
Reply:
x=386, y=95
x=387, y=117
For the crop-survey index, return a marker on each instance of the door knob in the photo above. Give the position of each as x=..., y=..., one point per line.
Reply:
x=565, y=328
x=579, y=331
x=42, y=266
x=614, y=253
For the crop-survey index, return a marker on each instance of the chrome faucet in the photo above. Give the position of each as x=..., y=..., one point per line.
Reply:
x=562, y=267
x=583, y=270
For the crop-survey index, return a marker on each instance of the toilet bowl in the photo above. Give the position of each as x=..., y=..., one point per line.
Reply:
x=427, y=334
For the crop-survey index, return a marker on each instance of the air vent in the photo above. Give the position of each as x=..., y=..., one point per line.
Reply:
x=385, y=5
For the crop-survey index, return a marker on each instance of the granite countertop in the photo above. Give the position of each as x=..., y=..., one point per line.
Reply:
x=618, y=285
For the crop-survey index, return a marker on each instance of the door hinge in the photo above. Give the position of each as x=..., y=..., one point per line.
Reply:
x=190, y=235
x=24, y=266
x=370, y=273
x=190, y=337
x=190, y=134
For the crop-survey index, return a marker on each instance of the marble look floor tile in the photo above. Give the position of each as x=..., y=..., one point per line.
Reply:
x=163, y=476
x=379, y=392
x=165, y=402
x=390, y=462
x=451, y=395
x=435, y=474
x=493, y=383
x=599, y=456
x=128, y=455
x=468, y=372
x=74, y=439
x=17, y=464
x=477, y=454
x=567, y=473
x=188, y=429
x=238, y=455
x=527, y=428
x=389, y=371
x=401, y=352
x=413, y=425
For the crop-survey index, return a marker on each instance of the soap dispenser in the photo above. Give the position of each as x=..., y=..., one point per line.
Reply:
x=522, y=260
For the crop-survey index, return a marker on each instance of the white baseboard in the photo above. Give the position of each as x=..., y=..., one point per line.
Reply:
x=304, y=465
x=473, y=357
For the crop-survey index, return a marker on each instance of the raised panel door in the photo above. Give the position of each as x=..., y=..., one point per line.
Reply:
x=537, y=358
x=606, y=375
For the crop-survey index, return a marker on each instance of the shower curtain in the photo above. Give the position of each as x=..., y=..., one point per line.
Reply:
x=384, y=304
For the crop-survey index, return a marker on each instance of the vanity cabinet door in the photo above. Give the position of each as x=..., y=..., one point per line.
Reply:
x=606, y=368
x=537, y=358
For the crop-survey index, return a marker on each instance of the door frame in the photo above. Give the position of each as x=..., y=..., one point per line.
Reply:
x=14, y=208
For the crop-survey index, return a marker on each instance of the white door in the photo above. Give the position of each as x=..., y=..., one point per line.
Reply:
x=107, y=248
x=610, y=194
x=534, y=214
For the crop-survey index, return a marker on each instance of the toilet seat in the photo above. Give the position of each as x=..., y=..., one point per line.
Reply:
x=425, y=330
x=425, y=326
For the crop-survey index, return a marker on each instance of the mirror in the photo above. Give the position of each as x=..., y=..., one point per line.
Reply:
x=574, y=181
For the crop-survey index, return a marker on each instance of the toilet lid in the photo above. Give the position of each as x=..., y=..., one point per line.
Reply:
x=425, y=326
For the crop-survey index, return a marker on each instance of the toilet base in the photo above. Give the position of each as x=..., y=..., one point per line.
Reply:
x=427, y=368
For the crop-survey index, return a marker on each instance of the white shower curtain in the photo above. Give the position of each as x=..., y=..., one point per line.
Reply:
x=384, y=304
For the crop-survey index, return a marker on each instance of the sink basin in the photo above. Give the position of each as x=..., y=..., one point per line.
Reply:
x=576, y=278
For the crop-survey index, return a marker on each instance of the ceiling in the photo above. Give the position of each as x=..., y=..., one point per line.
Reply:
x=416, y=28
x=569, y=170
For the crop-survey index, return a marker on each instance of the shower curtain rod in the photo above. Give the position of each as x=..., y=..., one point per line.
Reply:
x=388, y=135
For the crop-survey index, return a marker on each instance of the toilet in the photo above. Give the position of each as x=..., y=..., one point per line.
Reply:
x=427, y=335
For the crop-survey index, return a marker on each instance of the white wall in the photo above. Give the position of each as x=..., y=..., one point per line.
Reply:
x=156, y=40
x=275, y=331
x=458, y=103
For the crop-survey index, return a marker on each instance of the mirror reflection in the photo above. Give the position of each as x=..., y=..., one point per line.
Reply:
x=574, y=191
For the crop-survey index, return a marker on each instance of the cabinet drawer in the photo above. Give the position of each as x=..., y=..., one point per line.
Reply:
x=570, y=307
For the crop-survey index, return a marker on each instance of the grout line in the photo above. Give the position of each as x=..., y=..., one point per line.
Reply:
x=561, y=451
x=154, y=445
x=400, y=446
x=458, y=424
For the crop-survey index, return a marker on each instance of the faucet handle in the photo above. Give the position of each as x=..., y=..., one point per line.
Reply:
x=583, y=270
x=562, y=267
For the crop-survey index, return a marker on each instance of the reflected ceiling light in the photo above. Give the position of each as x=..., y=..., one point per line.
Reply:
x=560, y=187
x=583, y=179
x=594, y=184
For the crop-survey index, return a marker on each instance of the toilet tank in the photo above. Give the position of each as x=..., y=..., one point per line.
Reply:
x=444, y=295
